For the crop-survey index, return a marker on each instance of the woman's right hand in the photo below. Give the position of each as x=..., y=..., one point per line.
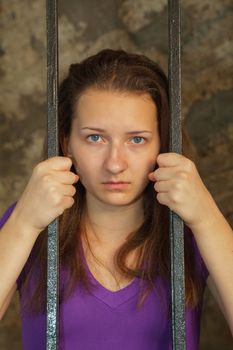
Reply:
x=48, y=193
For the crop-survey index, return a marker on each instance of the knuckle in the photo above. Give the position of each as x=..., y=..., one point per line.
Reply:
x=57, y=200
x=183, y=175
x=70, y=202
x=46, y=178
x=71, y=176
x=67, y=161
x=175, y=197
x=73, y=190
x=189, y=164
x=39, y=168
x=52, y=190
x=178, y=185
x=160, y=198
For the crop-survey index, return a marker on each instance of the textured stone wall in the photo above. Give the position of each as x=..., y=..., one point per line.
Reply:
x=134, y=25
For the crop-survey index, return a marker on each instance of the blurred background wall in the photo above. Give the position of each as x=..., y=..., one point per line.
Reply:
x=139, y=26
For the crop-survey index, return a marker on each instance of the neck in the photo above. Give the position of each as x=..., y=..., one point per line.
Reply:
x=110, y=225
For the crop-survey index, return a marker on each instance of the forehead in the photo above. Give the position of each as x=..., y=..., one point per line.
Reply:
x=109, y=107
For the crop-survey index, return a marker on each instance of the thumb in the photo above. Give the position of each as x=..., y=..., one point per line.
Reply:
x=151, y=176
x=77, y=177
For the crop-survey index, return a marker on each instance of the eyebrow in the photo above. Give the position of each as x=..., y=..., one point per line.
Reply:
x=128, y=133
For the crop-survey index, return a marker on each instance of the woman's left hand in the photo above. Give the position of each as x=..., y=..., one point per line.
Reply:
x=180, y=187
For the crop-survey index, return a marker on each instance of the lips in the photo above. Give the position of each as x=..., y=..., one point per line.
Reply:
x=116, y=186
x=114, y=183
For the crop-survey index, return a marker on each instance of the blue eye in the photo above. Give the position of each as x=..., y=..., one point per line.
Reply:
x=94, y=137
x=138, y=139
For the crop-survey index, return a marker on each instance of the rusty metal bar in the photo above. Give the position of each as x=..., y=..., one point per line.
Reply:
x=176, y=223
x=52, y=105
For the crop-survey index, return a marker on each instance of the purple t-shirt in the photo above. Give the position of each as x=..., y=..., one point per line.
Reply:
x=106, y=319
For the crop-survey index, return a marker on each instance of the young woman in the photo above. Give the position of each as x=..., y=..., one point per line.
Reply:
x=111, y=187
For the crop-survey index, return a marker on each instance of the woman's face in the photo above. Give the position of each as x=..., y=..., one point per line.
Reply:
x=114, y=138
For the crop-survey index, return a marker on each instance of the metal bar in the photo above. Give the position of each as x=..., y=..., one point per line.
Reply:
x=176, y=223
x=52, y=103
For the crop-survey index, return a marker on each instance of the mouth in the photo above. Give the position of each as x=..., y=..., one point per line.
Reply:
x=116, y=185
x=116, y=182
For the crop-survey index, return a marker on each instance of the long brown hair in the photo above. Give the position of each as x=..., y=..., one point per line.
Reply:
x=116, y=70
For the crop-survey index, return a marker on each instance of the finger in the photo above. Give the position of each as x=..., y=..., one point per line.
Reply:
x=59, y=163
x=68, y=202
x=161, y=174
x=163, y=199
x=162, y=186
x=169, y=159
x=66, y=177
x=67, y=190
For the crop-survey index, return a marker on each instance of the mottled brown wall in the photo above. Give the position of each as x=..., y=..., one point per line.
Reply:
x=135, y=25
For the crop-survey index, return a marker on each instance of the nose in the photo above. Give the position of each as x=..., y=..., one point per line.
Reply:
x=115, y=161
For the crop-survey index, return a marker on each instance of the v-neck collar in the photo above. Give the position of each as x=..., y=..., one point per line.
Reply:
x=113, y=299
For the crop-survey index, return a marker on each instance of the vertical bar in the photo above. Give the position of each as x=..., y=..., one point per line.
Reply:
x=52, y=105
x=176, y=223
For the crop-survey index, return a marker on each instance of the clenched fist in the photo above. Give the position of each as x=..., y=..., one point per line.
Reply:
x=180, y=187
x=48, y=193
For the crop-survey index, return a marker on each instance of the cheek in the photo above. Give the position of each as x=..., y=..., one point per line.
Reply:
x=85, y=168
x=148, y=159
x=146, y=165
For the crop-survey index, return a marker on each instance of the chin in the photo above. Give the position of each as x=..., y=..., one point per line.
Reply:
x=119, y=202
